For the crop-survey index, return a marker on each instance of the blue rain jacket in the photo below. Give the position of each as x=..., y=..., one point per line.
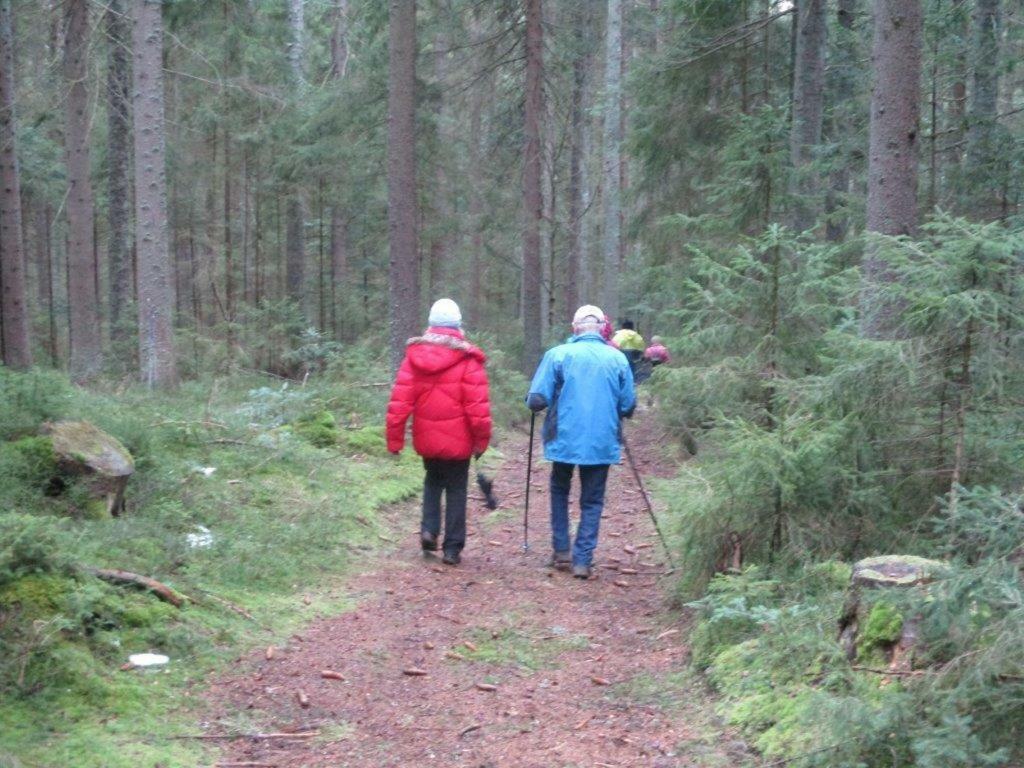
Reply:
x=587, y=387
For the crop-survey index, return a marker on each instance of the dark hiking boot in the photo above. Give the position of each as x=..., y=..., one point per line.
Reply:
x=451, y=558
x=581, y=571
x=428, y=541
x=560, y=561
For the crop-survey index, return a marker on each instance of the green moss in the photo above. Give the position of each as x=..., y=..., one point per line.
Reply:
x=882, y=628
x=37, y=596
x=319, y=429
x=367, y=440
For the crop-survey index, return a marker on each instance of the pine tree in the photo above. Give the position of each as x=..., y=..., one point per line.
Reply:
x=533, y=200
x=13, y=309
x=403, y=280
x=119, y=131
x=83, y=298
x=157, y=363
x=892, y=156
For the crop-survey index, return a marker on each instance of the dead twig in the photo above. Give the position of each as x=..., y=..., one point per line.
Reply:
x=471, y=728
x=161, y=590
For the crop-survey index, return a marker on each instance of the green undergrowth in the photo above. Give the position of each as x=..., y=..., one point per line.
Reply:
x=769, y=648
x=253, y=497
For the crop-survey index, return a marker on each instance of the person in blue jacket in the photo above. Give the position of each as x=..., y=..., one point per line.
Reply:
x=587, y=387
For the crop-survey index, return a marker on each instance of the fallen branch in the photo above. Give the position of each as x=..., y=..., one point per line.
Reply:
x=253, y=736
x=891, y=672
x=471, y=728
x=117, y=576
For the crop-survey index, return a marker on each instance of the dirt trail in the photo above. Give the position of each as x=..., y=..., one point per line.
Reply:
x=578, y=668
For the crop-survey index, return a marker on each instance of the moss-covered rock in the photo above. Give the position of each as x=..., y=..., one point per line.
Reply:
x=872, y=628
x=319, y=429
x=98, y=460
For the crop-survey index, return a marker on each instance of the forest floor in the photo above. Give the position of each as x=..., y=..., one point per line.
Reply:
x=521, y=665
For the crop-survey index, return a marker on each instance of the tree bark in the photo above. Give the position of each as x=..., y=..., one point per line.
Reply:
x=576, y=169
x=295, y=213
x=157, y=363
x=843, y=89
x=982, y=112
x=893, y=147
x=403, y=283
x=339, y=222
x=339, y=40
x=533, y=203
x=295, y=248
x=17, y=353
x=808, y=108
x=339, y=264
x=86, y=358
x=611, y=177
x=119, y=248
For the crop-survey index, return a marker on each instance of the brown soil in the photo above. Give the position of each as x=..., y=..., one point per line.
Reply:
x=570, y=672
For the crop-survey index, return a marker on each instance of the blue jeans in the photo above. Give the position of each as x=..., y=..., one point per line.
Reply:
x=593, y=479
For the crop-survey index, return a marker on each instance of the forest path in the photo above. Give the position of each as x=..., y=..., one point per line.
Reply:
x=585, y=673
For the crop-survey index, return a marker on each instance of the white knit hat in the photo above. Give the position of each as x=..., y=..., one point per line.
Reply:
x=445, y=313
x=588, y=310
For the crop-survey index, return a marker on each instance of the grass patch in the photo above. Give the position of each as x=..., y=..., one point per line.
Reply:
x=514, y=646
x=228, y=506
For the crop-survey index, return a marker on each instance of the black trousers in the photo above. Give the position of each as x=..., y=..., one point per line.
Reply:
x=450, y=477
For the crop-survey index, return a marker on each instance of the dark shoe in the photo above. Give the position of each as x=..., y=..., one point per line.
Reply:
x=560, y=561
x=451, y=558
x=581, y=571
x=428, y=541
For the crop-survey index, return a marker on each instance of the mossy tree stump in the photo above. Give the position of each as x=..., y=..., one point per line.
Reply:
x=873, y=629
x=98, y=460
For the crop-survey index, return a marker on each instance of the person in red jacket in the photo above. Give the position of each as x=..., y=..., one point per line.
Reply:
x=442, y=384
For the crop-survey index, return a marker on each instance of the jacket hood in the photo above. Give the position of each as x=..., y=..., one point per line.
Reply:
x=439, y=349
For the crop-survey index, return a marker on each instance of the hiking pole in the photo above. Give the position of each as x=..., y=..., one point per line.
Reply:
x=529, y=474
x=647, y=500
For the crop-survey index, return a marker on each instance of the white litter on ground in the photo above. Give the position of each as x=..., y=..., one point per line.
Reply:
x=201, y=538
x=205, y=471
x=147, y=659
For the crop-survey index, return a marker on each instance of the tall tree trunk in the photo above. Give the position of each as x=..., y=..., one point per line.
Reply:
x=86, y=359
x=339, y=222
x=533, y=202
x=119, y=247
x=611, y=177
x=440, y=242
x=476, y=185
x=339, y=40
x=984, y=99
x=296, y=243
x=576, y=161
x=339, y=264
x=403, y=283
x=16, y=350
x=808, y=107
x=321, y=288
x=157, y=362
x=44, y=278
x=892, y=153
x=845, y=84
x=229, y=255
x=295, y=248
x=297, y=45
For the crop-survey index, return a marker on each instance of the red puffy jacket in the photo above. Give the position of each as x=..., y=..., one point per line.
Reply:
x=443, y=385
